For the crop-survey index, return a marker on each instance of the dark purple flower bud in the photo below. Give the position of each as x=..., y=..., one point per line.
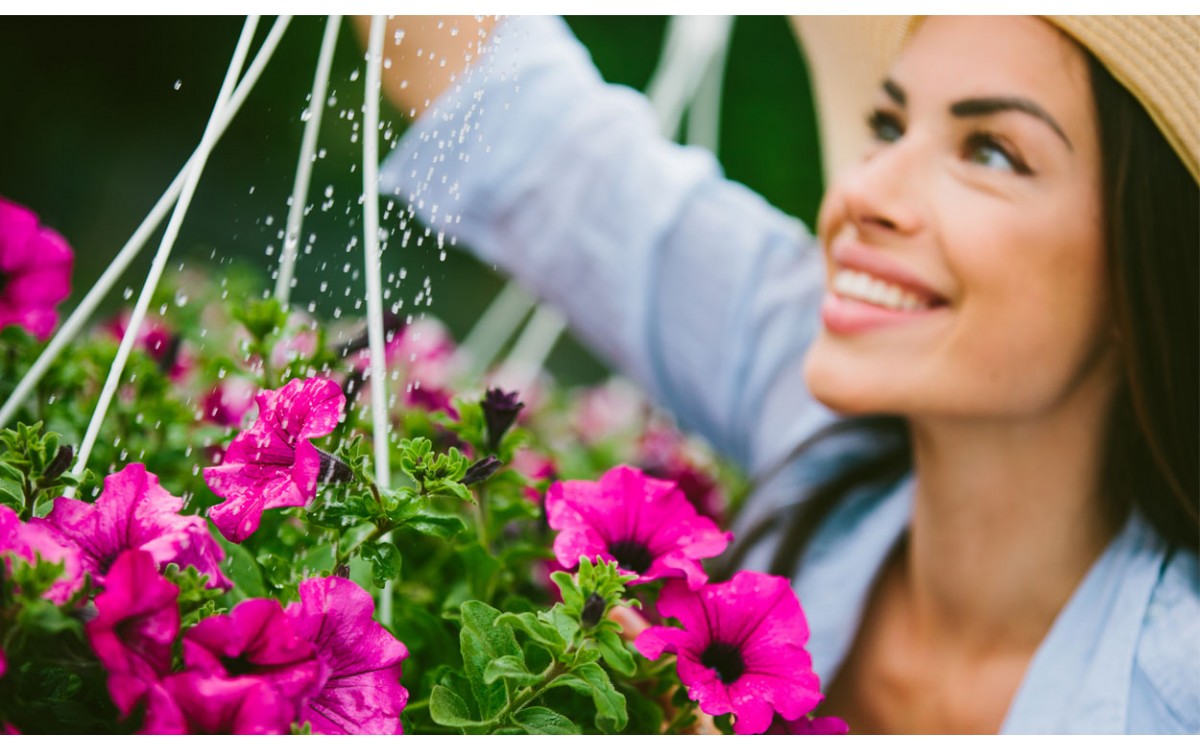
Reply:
x=60, y=463
x=481, y=470
x=500, y=410
x=593, y=610
x=167, y=354
x=392, y=325
x=333, y=470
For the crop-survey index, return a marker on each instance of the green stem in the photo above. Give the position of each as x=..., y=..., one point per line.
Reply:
x=481, y=519
x=528, y=694
x=380, y=530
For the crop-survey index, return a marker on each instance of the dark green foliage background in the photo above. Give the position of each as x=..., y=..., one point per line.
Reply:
x=92, y=130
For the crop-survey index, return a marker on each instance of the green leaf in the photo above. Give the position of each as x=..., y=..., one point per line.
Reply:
x=541, y=720
x=338, y=513
x=592, y=680
x=260, y=317
x=431, y=524
x=566, y=625
x=12, y=494
x=385, y=561
x=482, y=569
x=572, y=597
x=537, y=629
x=447, y=708
x=482, y=641
x=510, y=668
x=8, y=471
x=242, y=569
x=615, y=652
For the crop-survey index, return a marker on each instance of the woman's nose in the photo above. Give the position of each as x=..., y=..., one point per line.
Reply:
x=883, y=193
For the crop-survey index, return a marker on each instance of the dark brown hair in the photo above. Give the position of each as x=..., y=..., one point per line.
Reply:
x=1152, y=215
x=1152, y=454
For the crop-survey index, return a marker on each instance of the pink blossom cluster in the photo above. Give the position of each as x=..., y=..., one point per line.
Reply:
x=739, y=645
x=132, y=512
x=260, y=669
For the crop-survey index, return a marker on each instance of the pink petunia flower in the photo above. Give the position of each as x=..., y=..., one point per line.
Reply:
x=35, y=271
x=536, y=467
x=31, y=542
x=362, y=692
x=740, y=649
x=645, y=524
x=421, y=354
x=273, y=464
x=164, y=345
x=255, y=639
x=134, y=512
x=665, y=454
x=810, y=725
x=198, y=703
x=136, y=624
x=612, y=410
x=228, y=402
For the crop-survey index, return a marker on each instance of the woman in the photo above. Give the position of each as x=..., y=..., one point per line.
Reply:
x=1008, y=275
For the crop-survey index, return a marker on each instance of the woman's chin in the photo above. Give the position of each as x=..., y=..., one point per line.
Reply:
x=848, y=388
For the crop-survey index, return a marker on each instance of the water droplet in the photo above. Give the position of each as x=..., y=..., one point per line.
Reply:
x=178, y=84
x=127, y=293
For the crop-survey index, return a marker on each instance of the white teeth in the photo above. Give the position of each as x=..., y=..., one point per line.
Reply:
x=867, y=288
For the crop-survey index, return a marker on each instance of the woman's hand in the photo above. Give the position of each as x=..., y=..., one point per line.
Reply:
x=423, y=55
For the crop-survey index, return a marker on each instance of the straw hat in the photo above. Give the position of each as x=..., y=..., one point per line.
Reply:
x=1156, y=57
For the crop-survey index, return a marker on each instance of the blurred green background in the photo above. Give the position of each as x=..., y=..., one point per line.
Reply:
x=97, y=115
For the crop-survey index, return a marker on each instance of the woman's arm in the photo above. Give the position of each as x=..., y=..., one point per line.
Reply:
x=691, y=284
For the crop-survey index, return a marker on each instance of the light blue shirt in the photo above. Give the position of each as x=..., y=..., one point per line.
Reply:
x=707, y=296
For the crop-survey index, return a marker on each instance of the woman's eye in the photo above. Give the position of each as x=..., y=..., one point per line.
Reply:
x=884, y=126
x=987, y=151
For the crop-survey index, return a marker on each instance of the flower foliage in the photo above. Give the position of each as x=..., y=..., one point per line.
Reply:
x=480, y=591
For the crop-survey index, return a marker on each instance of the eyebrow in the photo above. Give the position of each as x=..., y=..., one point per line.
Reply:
x=987, y=105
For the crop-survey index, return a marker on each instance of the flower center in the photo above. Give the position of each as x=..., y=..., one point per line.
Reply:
x=236, y=666
x=725, y=659
x=631, y=554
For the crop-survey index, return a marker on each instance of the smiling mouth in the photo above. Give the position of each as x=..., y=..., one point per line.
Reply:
x=863, y=287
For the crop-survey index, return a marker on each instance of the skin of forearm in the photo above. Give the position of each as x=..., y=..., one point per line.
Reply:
x=424, y=55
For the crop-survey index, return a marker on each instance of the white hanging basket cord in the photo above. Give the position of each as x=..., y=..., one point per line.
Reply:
x=304, y=164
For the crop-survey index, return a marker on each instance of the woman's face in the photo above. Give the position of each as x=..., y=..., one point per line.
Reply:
x=965, y=252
